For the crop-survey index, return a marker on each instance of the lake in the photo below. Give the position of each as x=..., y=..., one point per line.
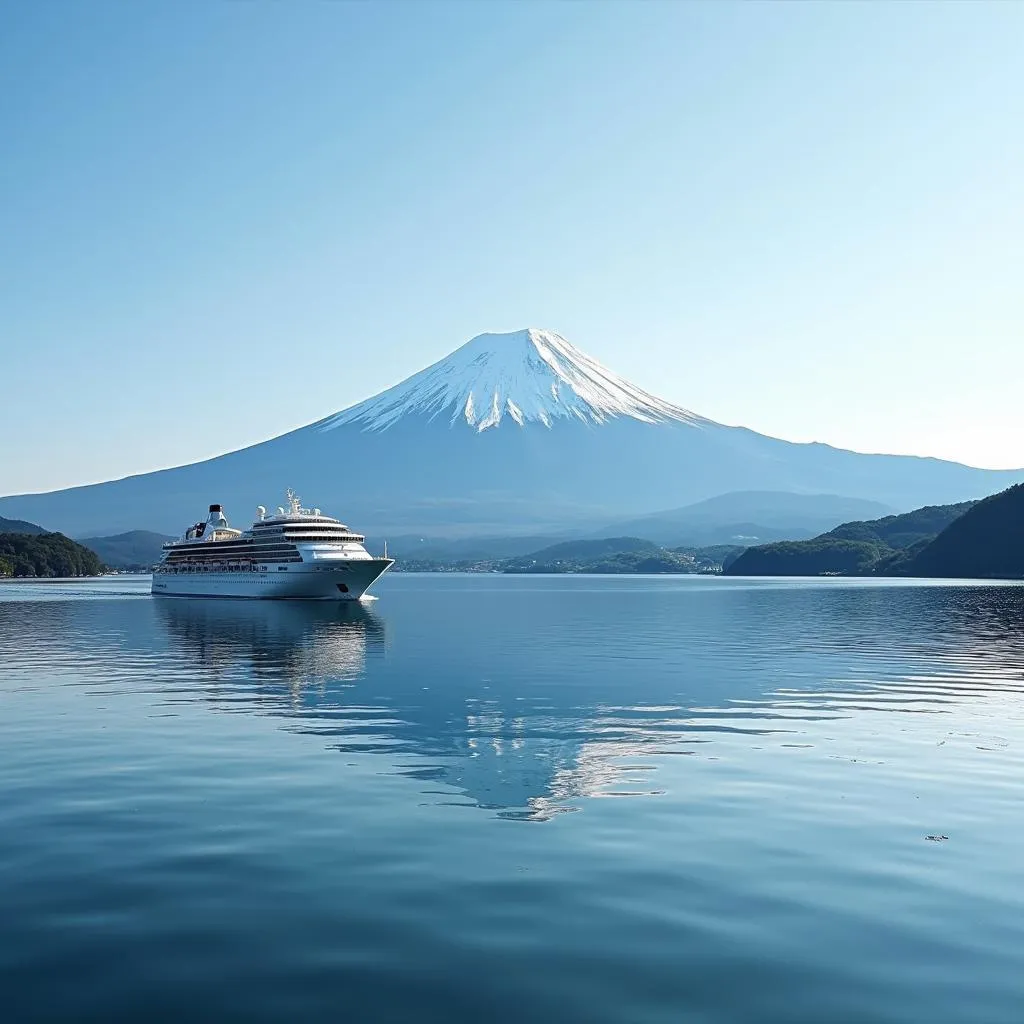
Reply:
x=496, y=798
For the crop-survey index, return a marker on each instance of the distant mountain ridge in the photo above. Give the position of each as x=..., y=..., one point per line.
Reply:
x=136, y=549
x=739, y=518
x=19, y=526
x=518, y=433
x=586, y=549
x=462, y=549
x=749, y=517
x=616, y=555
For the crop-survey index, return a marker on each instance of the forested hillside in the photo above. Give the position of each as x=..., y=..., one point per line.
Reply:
x=987, y=541
x=903, y=531
x=878, y=546
x=46, y=554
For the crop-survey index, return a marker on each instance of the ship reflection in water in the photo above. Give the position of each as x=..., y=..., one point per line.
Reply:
x=293, y=645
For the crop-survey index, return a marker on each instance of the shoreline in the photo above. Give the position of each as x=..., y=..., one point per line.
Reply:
x=67, y=579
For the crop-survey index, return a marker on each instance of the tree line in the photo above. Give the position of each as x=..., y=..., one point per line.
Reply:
x=46, y=555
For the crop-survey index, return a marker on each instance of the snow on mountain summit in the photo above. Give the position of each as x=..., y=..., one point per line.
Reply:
x=524, y=376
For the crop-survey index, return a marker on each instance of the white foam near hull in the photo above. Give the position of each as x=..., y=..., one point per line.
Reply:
x=340, y=581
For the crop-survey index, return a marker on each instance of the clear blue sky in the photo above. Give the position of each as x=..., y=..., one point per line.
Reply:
x=221, y=221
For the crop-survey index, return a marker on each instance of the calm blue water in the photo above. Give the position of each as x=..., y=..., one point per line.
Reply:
x=514, y=799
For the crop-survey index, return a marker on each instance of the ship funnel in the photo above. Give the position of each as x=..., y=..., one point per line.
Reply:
x=217, y=516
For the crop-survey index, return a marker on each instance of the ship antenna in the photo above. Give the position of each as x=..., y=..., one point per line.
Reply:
x=385, y=549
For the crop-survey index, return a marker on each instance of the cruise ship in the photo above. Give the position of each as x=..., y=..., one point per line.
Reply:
x=299, y=553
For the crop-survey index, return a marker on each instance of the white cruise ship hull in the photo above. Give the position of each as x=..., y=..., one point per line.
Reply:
x=337, y=581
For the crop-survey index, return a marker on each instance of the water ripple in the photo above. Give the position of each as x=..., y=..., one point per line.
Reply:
x=571, y=799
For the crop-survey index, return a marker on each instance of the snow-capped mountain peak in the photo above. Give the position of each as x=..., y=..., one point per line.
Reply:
x=521, y=377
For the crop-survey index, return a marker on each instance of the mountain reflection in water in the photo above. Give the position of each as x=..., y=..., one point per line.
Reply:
x=526, y=696
x=513, y=733
x=300, y=660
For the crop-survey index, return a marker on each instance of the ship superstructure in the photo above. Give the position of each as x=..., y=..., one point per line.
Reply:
x=297, y=553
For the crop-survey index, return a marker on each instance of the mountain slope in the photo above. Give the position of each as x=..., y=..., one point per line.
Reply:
x=527, y=376
x=607, y=555
x=987, y=541
x=464, y=549
x=136, y=549
x=852, y=549
x=903, y=531
x=751, y=515
x=585, y=549
x=511, y=434
x=19, y=526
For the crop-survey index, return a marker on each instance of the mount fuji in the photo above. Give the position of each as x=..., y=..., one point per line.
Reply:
x=511, y=433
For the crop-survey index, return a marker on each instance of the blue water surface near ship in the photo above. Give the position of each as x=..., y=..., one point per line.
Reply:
x=488, y=798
